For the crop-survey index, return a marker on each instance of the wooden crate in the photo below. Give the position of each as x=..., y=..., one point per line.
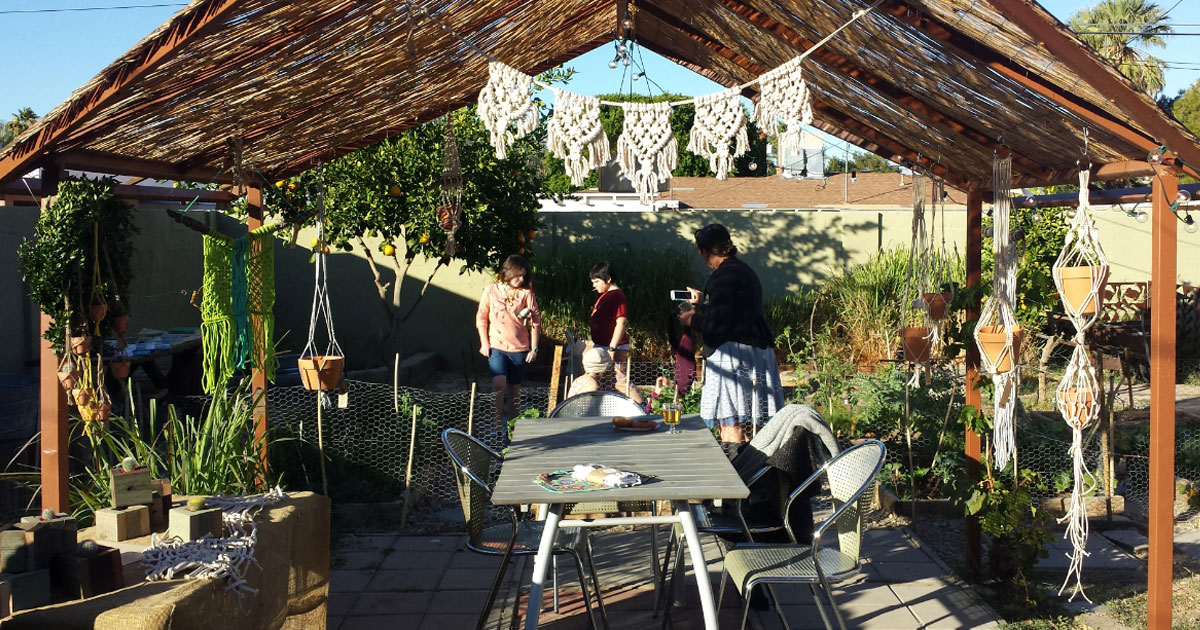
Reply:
x=122, y=524
x=130, y=488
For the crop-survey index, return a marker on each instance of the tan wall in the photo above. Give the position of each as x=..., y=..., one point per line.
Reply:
x=790, y=250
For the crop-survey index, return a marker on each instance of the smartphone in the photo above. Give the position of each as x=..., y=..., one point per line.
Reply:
x=681, y=296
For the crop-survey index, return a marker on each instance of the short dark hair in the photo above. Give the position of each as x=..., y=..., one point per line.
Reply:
x=714, y=239
x=603, y=270
x=513, y=266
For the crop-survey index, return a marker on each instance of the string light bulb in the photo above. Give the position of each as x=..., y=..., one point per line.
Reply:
x=613, y=64
x=1142, y=216
x=638, y=75
x=1189, y=224
x=752, y=165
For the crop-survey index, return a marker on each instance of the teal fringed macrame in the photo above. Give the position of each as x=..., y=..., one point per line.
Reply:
x=237, y=311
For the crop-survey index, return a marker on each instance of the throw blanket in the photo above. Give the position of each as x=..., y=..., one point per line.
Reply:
x=776, y=433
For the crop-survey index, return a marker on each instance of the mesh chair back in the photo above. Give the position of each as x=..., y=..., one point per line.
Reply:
x=851, y=474
x=476, y=468
x=597, y=404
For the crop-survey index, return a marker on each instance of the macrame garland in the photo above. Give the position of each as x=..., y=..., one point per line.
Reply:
x=720, y=125
x=1079, y=274
x=785, y=97
x=574, y=134
x=449, y=211
x=647, y=150
x=505, y=102
x=237, y=324
x=998, y=334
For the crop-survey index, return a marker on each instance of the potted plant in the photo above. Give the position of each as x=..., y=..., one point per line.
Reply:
x=81, y=341
x=1077, y=282
x=1077, y=406
x=99, y=304
x=120, y=365
x=916, y=339
x=938, y=303
x=68, y=373
x=120, y=317
x=321, y=371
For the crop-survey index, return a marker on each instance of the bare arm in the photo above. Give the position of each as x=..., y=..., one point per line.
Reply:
x=618, y=332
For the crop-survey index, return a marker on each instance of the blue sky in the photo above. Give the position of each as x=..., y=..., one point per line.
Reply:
x=44, y=56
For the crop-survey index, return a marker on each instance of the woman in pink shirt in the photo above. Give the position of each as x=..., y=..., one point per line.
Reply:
x=507, y=319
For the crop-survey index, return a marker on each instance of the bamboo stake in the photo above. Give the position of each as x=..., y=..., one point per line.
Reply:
x=408, y=491
x=555, y=372
x=321, y=445
x=471, y=411
x=396, y=384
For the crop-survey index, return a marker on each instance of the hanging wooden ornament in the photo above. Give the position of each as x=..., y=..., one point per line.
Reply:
x=449, y=210
x=505, y=107
x=574, y=135
x=719, y=126
x=1079, y=274
x=998, y=333
x=785, y=98
x=647, y=150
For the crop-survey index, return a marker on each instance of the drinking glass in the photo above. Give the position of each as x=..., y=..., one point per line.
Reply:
x=670, y=413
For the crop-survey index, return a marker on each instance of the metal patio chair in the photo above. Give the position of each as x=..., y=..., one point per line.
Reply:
x=850, y=474
x=590, y=404
x=476, y=468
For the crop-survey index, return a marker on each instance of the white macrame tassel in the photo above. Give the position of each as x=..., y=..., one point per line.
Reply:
x=720, y=122
x=1076, y=518
x=646, y=150
x=575, y=135
x=784, y=97
x=505, y=101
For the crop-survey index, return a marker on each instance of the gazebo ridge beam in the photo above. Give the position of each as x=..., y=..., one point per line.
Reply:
x=885, y=88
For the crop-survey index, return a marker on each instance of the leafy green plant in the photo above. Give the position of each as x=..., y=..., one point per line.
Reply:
x=831, y=383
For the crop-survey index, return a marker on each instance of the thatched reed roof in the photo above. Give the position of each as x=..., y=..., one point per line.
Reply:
x=939, y=83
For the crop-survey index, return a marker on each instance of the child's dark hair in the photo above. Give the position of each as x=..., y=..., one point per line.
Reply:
x=603, y=270
x=512, y=267
x=714, y=239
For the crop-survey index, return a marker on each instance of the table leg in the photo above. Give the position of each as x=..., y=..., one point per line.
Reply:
x=540, y=563
x=703, y=584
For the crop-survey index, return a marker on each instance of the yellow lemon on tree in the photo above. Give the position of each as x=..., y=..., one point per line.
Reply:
x=388, y=249
x=280, y=184
x=316, y=241
x=532, y=233
x=424, y=238
x=292, y=186
x=325, y=249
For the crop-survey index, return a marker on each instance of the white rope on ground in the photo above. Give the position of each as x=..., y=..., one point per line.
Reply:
x=222, y=558
x=575, y=135
x=1079, y=274
x=998, y=318
x=646, y=150
x=720, y=122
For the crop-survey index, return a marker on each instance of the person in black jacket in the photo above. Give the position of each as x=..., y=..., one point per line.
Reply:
x=741, y=377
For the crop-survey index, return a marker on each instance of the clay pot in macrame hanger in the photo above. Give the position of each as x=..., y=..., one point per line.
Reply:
x=992, y=340
x=68, y=375
x=120, y=324
x=1077, y=405
x=120, y=368
x=321, y=372
x=81, y=344
x=937, y=303
x=916, y=343
x=1077, y=284
x=98, y=309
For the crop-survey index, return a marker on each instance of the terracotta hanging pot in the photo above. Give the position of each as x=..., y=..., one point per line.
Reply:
x=68, y=375
x=83, y=397
x=81, y=344
x=1076, y=285
x=937, y=303
x=120, y=368
x=991, y=343
x=102, y=411
x=321, y=372
x=916, y=344
x=1077, y=406
x=99, y=310
x=120, y=324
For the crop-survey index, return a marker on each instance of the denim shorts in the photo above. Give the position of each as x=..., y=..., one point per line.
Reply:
x=508, y=364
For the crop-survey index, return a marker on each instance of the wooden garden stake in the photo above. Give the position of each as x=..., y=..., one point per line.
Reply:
x=408, y=491
x=471, y=410
x=555, y=372
x=396, y=384
x=321, y=446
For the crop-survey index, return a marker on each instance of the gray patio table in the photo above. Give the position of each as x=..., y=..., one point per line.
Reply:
x=683, y=467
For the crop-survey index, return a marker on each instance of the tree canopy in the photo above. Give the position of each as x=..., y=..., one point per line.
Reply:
x=1121, y=31
x=21, y=120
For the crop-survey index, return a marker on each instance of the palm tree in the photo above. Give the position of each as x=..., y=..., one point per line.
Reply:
x=1120, y=31
x=22, y=120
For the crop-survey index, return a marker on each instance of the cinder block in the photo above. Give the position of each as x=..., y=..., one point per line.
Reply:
x=188, y=525
x=65, y=569
x=163, y=486
x=122, y=524
x=129, y=488
x=29, y=589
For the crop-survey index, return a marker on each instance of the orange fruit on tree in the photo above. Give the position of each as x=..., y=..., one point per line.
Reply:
x=532, y=233
x=520, y=237
x=388, y=249
x=325, y=249
x=424, y=238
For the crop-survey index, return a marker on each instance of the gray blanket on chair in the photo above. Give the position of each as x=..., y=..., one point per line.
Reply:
x=774, y=434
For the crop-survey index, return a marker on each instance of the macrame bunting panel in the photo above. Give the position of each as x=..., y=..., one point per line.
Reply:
x=574, y=135
x=237, y=320
x=647, y=150
x=785, y=98
x=719, y=130
x=505, y=106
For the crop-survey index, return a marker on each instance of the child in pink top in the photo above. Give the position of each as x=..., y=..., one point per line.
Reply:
x=507, y=320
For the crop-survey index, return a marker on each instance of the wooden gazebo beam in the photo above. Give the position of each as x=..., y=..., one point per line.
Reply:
x=165, y=46
x=882, y=86
x=101, y=162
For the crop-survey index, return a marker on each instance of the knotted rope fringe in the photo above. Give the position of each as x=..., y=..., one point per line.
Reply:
x=784, y=97
x=575, y=135
x=647, y=150
x=720, y=122
x=505, y=101
x=224, y=558
x=1078, y=393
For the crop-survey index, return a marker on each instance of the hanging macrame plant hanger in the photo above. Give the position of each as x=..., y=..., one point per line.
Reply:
x=321, y=370
x=917, y=341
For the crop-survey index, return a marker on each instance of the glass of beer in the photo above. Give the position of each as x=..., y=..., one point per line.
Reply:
x=670, y=414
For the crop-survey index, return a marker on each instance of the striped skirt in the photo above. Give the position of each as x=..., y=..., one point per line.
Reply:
x=736, y=377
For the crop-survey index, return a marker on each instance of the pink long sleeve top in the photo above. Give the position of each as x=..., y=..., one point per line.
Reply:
x=498, y=309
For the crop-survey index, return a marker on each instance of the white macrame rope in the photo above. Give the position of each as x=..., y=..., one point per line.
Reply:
x=575, y=135
x=646, y=150
x=321, y=311
x=784, y=97
x=918, y=265
x=504, y=102
x=719, y=123
x=223, y=558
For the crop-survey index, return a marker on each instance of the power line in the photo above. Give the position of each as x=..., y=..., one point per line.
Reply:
x=79, y=9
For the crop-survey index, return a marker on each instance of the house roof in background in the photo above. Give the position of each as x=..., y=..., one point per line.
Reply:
x=875, y=191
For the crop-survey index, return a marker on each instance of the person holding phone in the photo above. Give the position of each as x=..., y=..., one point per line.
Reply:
x=740, y=370
x=610, y=315
x=509, y=322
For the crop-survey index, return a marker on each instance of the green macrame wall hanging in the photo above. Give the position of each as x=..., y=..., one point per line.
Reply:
x=237, y=311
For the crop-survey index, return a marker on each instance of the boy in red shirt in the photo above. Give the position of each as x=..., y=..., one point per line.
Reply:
x=609, y=316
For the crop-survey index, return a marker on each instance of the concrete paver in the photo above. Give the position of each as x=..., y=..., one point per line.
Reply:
x=1188, y=543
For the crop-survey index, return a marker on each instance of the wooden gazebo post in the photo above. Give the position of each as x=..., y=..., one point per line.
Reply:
x=971, y=386
x=258, y=376
x=55, y=438
x=1162, y=393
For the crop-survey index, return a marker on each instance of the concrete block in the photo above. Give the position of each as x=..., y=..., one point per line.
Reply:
x=129, y=488
x=122, y=524
x=62, y=532
x=30, y=589
x=1096, y=506
x=188, y=525
x=5, y=598
x=1131, y=540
